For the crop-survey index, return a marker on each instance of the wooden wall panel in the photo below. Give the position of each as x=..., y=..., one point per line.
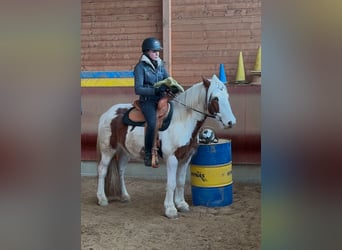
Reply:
x=208, y=33
x=112, y=32
x=203, y=35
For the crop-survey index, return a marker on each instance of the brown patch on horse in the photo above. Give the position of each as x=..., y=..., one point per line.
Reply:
x=213, y=106
x=118, y=129
x=187, y=150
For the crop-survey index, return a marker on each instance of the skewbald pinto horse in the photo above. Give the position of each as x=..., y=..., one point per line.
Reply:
x=118, y=143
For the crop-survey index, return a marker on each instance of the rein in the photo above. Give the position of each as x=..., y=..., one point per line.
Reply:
x=196, y=110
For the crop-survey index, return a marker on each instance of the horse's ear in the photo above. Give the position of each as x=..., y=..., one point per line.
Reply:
x=206, y=82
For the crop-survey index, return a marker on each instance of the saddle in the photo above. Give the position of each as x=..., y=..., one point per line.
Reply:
x=135, y=117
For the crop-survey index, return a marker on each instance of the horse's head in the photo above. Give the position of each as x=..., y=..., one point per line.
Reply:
x=218, y=102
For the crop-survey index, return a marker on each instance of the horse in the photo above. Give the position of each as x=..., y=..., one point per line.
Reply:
x=119, y=143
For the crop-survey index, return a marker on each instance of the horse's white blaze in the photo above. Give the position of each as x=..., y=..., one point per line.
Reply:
x=178, y=141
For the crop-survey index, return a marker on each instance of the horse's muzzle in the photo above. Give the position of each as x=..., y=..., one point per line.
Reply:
x=229, y=125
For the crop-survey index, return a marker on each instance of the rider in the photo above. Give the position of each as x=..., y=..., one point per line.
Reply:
x=147, y=72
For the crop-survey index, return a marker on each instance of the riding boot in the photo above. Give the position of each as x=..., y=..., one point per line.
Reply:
x=148, y=159
x=149, y=110
x=148, y=149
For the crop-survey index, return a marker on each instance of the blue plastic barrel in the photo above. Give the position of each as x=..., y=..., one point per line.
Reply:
x=211, y=175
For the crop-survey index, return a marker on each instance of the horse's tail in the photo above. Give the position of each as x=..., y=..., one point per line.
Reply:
x=112, y=183
x=112, y=180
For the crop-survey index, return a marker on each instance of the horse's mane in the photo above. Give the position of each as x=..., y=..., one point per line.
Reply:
x=191, y=97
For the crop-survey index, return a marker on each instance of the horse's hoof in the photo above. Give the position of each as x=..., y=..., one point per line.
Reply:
x=174, y=217
x=103, y=202
x=183, y=207
x=125, y=199
x=171, y=213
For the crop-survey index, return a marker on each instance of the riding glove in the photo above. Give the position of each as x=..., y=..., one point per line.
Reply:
x=161, y=91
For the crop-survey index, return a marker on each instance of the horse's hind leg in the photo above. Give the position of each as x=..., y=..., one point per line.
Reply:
x=122, y=167
x=102, y=171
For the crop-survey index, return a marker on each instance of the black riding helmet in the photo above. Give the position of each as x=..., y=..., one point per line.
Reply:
x=151, y=43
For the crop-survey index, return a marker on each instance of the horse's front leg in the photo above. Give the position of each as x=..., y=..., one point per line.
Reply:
x=171, y=167
x=181, y=204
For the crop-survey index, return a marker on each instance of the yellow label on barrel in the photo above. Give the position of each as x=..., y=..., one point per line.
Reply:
x=213, y=176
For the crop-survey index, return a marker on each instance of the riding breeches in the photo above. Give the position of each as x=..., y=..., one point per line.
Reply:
x=149, y=109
